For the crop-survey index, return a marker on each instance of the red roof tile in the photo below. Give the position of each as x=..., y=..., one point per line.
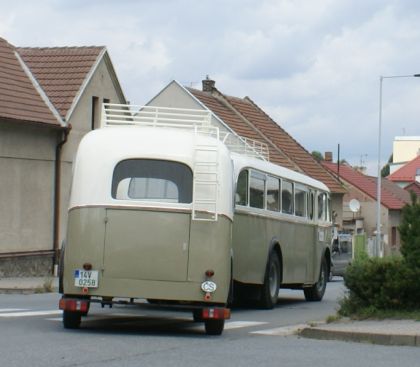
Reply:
x=60, y=71
x=239, y=126
x=253, y=113
x=406, y=173
x=19, y=99
x=392, y=196
x=414, y=186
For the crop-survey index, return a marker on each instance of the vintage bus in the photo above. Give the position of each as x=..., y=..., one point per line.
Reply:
x=164, y=208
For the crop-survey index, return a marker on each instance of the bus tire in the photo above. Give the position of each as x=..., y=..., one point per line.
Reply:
x=214, y=327
x=316, y=292
x=71, y=320
x=270, y=289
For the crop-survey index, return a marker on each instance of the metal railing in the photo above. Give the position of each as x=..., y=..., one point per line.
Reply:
x=199, y=120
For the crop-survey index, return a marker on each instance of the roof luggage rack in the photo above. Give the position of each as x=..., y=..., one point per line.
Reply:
x=198, y=120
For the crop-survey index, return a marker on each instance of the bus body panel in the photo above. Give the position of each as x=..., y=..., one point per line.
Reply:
x=129, y=271
x=252, y=237
x=147, y=245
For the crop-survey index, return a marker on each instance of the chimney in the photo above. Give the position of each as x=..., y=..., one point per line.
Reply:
x=328, y=157
x=208, y=84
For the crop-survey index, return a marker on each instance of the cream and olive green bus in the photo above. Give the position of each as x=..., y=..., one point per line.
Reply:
x=166, y=208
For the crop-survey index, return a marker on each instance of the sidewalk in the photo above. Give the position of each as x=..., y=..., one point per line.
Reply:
x=28, y=285
x=384, y=332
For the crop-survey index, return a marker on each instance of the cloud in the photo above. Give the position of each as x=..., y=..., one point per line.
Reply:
x=314, y=66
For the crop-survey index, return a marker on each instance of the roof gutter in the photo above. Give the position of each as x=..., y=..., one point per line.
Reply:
x=57, y=198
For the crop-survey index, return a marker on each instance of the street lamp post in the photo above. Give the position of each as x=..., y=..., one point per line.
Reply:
x=379, y=246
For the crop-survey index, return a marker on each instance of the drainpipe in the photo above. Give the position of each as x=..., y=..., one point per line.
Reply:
x=57, y=193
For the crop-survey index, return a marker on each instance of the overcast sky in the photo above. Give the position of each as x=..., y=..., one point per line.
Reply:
x=313, y=65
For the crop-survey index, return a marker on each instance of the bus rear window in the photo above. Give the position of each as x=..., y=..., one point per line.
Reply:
x=152, y=180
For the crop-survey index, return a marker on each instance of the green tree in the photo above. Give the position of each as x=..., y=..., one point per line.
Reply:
x=317, y=155
x=410, y=232
x=385, y=169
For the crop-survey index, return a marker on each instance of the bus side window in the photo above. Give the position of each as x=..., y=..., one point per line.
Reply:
x=330, y=216
x=287, y=197
x=241, y=197
x=322, y=206
x=273, y=194
x=301, y=199
x=311, y=203
x=256, y=190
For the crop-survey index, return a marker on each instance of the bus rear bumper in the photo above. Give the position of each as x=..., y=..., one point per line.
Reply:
x=206, y=312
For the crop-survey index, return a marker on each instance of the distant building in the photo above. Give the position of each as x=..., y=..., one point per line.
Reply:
x=364, y=189
x=49, y=98
x=405, y=149
x=407, y=173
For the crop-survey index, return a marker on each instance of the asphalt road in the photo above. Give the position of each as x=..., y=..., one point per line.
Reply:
x=31, y=334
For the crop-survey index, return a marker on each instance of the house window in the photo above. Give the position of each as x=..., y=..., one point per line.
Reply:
x=95, y=113
x=394, y=236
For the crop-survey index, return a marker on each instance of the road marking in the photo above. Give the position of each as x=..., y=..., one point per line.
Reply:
x=241, y=324
x=281, y=331
x=111, y=316
x=12, y=309
x=31, y=313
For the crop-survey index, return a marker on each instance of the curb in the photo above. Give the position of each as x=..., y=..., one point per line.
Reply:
x=38, y=290
x=28, y=285
x=361, y=337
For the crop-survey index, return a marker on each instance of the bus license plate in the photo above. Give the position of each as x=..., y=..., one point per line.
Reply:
x=86, y=278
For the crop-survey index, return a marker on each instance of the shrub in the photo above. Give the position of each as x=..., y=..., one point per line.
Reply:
x=381, y=284
x=388, y=284
x=410, y=232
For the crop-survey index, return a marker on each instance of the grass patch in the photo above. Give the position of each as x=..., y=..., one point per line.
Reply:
x=333, y=318
x=350, y=307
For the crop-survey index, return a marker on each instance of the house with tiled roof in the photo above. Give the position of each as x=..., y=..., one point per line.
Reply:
x=404, y=150
x=49, y=98
x=408, y=174
x=363, y=189
x=245, y=118
x=413, y=187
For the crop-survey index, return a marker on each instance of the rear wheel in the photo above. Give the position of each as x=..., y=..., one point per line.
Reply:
x=270, y=288
x=316, y=292
x=71, y=320
x=214, y=327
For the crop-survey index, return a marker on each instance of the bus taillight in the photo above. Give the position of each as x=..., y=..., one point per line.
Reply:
x=217, y=313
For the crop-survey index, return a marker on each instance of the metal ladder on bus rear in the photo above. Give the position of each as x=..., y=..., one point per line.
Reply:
x=205, y=190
